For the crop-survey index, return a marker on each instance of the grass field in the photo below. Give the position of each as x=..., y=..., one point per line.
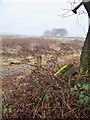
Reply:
x=20, y=53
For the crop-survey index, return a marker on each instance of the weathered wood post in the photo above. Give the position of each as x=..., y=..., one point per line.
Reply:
x=85, y=55
x=38, y=61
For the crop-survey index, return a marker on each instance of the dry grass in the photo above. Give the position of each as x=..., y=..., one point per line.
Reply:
x=30, y=89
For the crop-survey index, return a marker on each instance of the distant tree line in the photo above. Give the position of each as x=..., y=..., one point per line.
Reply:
x=55, y=32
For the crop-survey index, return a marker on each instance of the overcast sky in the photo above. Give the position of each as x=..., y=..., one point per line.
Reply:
x=33, y=17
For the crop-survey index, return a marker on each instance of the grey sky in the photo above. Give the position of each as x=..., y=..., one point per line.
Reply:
x=33, y=17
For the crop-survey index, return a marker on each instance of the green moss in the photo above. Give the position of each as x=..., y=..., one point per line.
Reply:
x=85, y=65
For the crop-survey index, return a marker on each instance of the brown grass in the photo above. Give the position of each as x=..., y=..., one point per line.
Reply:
x=33, y=92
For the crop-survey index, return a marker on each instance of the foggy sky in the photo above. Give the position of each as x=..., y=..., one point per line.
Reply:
x=33, y=17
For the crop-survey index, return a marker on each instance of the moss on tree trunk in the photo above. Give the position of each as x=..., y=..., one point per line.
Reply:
x=85, y=56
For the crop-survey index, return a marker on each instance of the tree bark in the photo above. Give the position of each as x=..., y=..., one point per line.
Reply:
x=85, y=56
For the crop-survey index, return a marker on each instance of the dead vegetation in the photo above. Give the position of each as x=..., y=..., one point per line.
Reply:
x=29, y=88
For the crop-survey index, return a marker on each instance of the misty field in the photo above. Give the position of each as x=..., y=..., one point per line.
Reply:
x=29, y=87
x=20, y=55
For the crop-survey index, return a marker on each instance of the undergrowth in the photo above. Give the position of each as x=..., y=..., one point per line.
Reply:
x=41, y=95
